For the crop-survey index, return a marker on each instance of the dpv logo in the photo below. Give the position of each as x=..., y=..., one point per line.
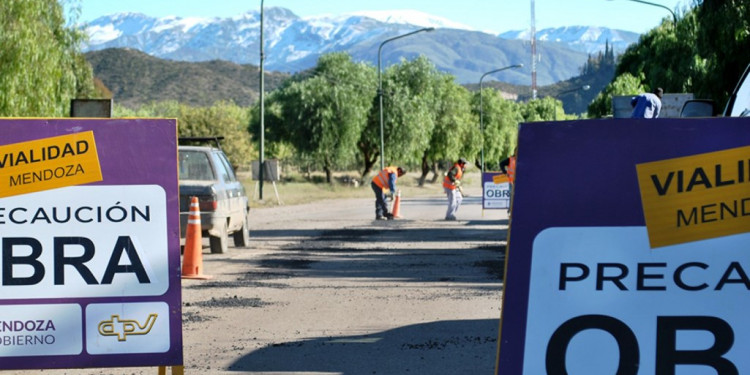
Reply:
x=123, y=328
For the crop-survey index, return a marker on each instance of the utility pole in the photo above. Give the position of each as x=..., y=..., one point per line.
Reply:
x=262, y=163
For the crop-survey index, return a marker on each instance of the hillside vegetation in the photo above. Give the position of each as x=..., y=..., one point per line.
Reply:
x=135, y=79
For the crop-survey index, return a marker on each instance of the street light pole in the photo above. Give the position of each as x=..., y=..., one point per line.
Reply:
x=380, y=89
x=262, y=109
x=481, y=106
x=674, y=16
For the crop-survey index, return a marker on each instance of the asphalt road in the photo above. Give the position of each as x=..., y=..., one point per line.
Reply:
x=325, y=289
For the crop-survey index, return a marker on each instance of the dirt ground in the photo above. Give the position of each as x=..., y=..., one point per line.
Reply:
x=325, y=289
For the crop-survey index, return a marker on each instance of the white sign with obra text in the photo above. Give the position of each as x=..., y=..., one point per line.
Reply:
x=101, y=241
x=600, y=296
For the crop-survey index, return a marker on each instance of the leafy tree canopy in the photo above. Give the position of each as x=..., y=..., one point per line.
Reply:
x=223, y=119
x=41, y=67
x=624, y=84
x=704, y=53
x=323, y=115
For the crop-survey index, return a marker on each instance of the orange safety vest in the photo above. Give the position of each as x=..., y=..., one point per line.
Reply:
x=512, y=169
x=382, y=178
x=447, y=181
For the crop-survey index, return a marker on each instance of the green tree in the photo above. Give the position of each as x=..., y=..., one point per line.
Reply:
x=722, y=42
x=704, y=53
x=665, y=56
x=409, y=97
x=544, y=109
x=223, y=119
x=624, y=84
x=323, y=116
x=41, y=67
x=276, y=142
x=165, y=109
x=455, y=133
x=501, y=119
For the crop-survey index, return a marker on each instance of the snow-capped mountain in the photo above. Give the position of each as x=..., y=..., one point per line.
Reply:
x=413, y=17
x=583, y=38
x=293, y=43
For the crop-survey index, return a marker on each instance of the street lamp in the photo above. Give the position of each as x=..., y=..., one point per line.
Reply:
x=674, y=16
x=380, y=90
x=481, y=106
x=582, y=88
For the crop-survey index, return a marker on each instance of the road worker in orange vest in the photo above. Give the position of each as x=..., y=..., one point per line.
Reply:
x=386, y=179
x=508, y=167
x=452, y=187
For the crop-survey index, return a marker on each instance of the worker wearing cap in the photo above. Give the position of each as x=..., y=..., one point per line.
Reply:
x=452, y=186
x=386, y=179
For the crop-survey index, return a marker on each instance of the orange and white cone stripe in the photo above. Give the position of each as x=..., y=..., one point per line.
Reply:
x=192, y=261
x=195, y=212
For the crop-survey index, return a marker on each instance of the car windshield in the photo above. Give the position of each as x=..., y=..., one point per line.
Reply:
x=194, y=165
x=742, y=102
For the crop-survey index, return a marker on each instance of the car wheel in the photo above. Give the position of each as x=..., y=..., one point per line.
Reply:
x=219, y=244
x=242, y=236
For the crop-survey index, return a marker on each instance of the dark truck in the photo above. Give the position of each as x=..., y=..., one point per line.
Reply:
x=737, y=106
x=205, y=172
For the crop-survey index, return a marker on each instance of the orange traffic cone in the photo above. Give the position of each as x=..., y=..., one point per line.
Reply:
x=396, y=205
x=192, y=261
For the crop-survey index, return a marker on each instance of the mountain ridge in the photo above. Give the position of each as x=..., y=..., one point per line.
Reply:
x=294, y=44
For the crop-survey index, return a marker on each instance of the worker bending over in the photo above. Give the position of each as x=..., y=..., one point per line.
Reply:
x=386, y=179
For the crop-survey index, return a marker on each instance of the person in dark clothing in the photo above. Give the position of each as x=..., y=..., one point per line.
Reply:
x=386, y=179
x=647, y=105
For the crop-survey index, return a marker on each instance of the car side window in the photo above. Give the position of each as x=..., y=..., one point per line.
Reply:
x=228, y=167
x=195, y=165
x=221, y=168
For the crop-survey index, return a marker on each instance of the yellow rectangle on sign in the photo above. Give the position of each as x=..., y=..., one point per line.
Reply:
x=696, y=197
x=500, y=178
x=49, y=163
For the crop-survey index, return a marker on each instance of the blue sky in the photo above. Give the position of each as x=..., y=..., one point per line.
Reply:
x=486, y=15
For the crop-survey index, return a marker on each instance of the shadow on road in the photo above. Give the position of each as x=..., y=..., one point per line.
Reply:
x=404, y=265
x=474, y=230
x=471, y=255
x=444, y=347
x=432, y=201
